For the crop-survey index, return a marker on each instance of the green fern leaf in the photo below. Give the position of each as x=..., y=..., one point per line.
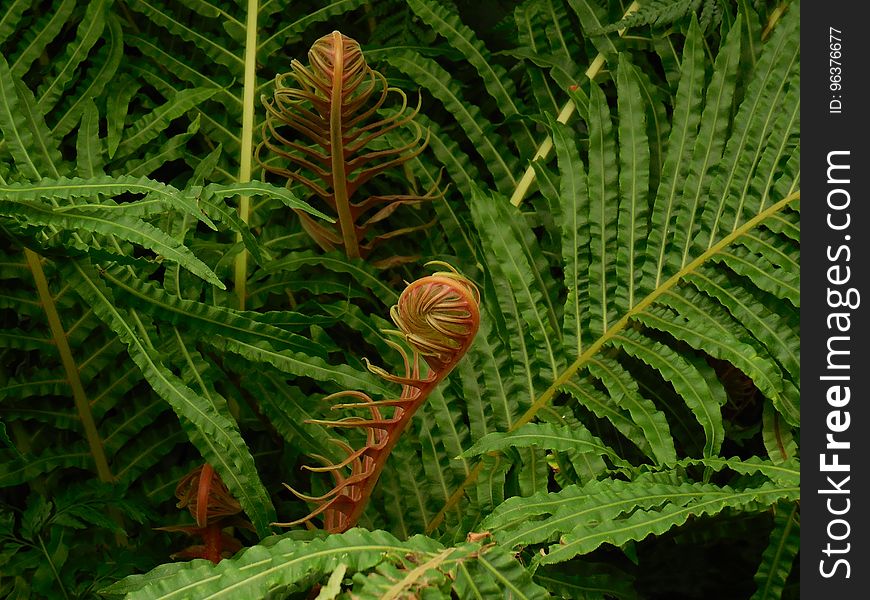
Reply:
x=544, y=436
x=494, y=77
x=591, y=15
x=159, y=195
x=160, y=14
x=765, y=94
x=693, y=380
x=684, y=130
x=30, y=143
x=11, y=18
x=573, y=193
x=358, y=271
x=776, y=562
x=778, y=437
x=89, y=145
x=603, y=196
x=642, y=523
x=710, y=141
x=102, y=68
x=149, y=126
x=495, y=572
x=624, y=392
x=216, y=437
x=634, y=157
x=704, y=324
x=208, y=319
x=586, y=393
x=89, y=31
x=15, y=470
x=40, y=35
x=434, y=78
x=283, y=563
x=655, y=12
x=778, y=332
x=110, y=223
x=516, y=275
x=260, y=188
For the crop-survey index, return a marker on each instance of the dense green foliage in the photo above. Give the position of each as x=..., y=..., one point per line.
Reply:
x=624, y=191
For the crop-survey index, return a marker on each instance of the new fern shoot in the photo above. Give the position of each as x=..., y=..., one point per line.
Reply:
x=438, y=317
x=321, y=124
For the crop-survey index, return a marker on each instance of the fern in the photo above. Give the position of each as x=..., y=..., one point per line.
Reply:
x=621, y=184
x=654, y=352
x=332, y=105
x=658, y=13
x=286, y=564
x=438, y=318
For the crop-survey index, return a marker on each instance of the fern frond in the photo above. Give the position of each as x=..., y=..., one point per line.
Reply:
x=430, y=75
x=39, y=35
x=102, y=67
x=494, y=77
x=642, y=523
x=693, y=380
x=438, y=318
x=684, y=132
x=623, y=510
x=624, y=391
x=332, y=106
x=290, y=564
x=634, y=176
x=651, y=351
x=90, y=29
x=11, y=18
x=149, y=126
x=544, y=436
x=216, y=436
x=161, y=15
x=15, y=470
x=776, y=562
x=125, y=228
x=657, y=13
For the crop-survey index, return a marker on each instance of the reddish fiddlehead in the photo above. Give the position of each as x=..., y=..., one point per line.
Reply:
x=325, y=129
x=438, y=317
x=207, y=498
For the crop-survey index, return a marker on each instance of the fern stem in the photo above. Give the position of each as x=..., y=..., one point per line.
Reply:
x=404, y=586
x=69, y=366
x=566, y=375
x=247, y=152
x=774, y=19
x=546, y=146
x=51, y=564
x=336, y=144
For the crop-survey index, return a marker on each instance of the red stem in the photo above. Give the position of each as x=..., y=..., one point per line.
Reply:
x=211, y=537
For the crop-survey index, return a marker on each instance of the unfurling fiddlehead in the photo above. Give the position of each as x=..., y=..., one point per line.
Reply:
x=207, y=498
x=438, y=317
x=334, y=104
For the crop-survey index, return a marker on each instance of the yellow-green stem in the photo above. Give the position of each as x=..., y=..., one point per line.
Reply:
x=245, y=160
x=69, y=366
x=547, y=145
x=618, y=327
x=774, y=19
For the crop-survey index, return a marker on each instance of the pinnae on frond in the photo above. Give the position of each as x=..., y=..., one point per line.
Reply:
x=321, y=125
x=437, y=316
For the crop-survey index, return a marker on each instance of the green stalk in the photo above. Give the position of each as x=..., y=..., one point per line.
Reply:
x=69, y=366
x=623, y=323
x=546, y=146
x=245, y=160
